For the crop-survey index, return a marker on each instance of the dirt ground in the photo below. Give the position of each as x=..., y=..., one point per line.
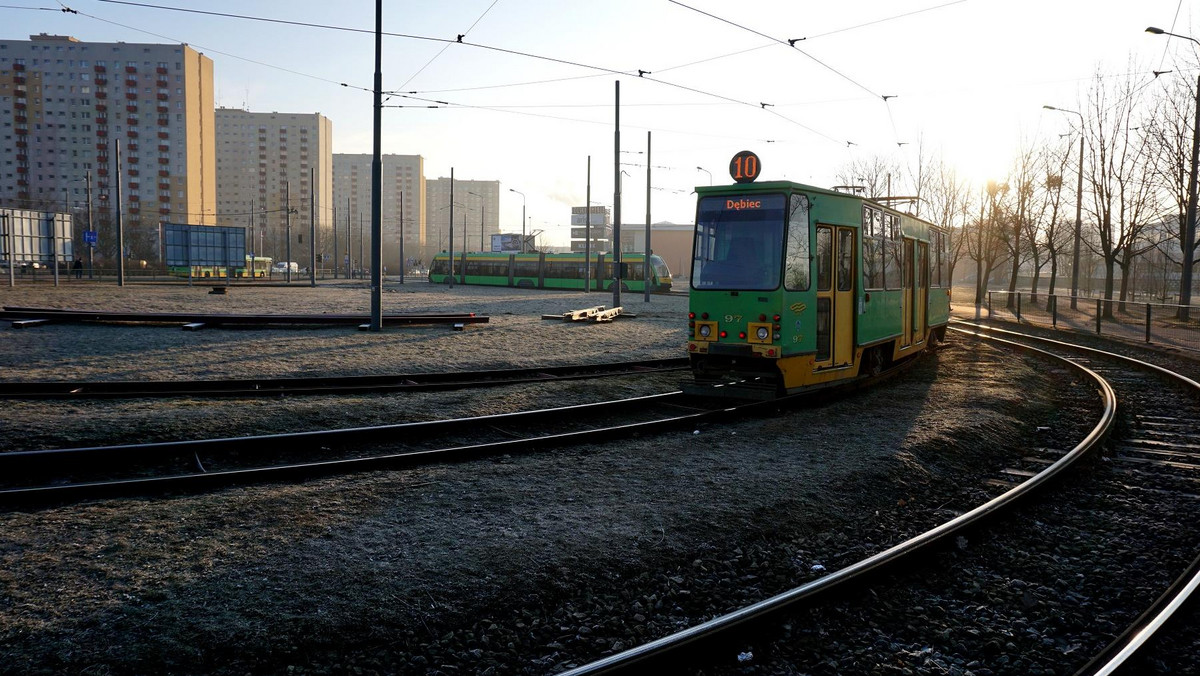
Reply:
x=485, y=566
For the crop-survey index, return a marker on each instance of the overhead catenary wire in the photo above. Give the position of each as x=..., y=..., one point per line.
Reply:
x=643, y=74
x=786, y=43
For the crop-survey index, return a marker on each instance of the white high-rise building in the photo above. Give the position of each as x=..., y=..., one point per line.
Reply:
x=69, y=108
x=403, y=182
x=269, y=164
x=476, y=213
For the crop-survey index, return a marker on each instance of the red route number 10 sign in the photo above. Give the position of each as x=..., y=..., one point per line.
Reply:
x=745, y=167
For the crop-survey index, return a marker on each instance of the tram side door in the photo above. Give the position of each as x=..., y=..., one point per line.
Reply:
x=922, y=292
x=835, y=296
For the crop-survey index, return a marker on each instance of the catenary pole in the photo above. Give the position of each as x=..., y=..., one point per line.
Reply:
x=120, y=226
x=377, y=182
x=616, y=246
x=312, y=229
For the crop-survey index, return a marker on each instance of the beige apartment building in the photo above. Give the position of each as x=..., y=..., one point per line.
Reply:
x=138, y=117
x=476, y=214
x=403, y=183
x=274, y=173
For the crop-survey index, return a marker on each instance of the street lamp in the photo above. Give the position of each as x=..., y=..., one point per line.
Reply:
x=522, y=217
x=1189, y=226
x=1078, y=210
x=707, y=172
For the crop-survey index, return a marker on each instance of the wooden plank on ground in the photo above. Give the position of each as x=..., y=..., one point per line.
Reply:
x=28, y=323
x=607, y=315
x=581, y=315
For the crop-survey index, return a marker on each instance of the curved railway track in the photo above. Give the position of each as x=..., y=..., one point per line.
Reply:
x=258, y=387
x=1138, y=383
x=55, y=475
x=88, y=472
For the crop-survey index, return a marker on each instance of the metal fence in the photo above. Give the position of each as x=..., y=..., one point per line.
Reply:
x=1155, y=323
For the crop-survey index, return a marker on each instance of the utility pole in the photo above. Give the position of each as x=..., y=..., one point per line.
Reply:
x=90, y=227
x=120, y=228
x=336, y=263
x=616, y=250
x=377, y=182
x=287, y=219
x=451, y=227
x=402, y=237
x=312, y=228
x=646, y=262
x=587, y=232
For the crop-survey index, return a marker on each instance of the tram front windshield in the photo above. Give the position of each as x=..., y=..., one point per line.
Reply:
x=738, y=242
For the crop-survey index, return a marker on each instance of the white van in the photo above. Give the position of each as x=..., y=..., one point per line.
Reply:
x=282, y=268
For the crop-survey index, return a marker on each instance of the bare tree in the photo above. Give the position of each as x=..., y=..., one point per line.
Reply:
x=1024, y=217
x=874, y=174
x=985, y=242
x=1120, y=197
x=949, y=205
x=1056, y=236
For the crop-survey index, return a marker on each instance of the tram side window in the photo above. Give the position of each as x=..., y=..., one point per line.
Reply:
x=845, y=270
x=797, y=272
x=487, y=268
x=635, y=270
x=824, y=258
x=874, y=251
x=440, y=267
x=563, y=270
x=940, y=258
x=525, y=269
x=893, y=253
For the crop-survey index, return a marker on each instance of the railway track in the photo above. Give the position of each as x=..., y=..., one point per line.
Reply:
x=189, y=465
x=1156, y=460
x=64, y=474
x=259, y=387
x=26, y=316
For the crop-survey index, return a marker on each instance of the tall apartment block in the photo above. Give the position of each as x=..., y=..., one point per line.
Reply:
x=476, y=213
x=276, y=169
x=403, y=181
x=137, y=116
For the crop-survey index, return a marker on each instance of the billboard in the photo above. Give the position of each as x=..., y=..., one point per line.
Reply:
x=599, y=216
x=506, y=242
x=27, y=235
x=189, y=245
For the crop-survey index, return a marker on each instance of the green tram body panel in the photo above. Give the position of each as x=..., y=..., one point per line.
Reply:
x=878, y=309
x=548, y=271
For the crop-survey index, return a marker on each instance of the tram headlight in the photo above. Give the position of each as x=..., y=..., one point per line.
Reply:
x=705, y=330
x=762, y=333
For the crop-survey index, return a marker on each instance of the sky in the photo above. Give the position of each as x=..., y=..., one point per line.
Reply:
x=529, y=94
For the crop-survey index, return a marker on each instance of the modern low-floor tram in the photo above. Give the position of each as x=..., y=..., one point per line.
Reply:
x=551, y=271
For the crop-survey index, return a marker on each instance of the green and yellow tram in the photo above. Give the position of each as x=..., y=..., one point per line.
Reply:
x=550, y=271
x=794, y=286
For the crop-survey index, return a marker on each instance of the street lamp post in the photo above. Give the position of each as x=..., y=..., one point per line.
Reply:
x=1189, y=227
x=522, y=217
x=707, y=172
x=1078, y=210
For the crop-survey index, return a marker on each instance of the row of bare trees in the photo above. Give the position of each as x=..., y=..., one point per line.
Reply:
x=1129, y=196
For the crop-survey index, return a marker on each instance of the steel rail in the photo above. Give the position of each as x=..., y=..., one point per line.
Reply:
x=15, y=461
x=256, y=387
x=1179, y=593
x=201, y=480
x=221, y=319
x=637, y=658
